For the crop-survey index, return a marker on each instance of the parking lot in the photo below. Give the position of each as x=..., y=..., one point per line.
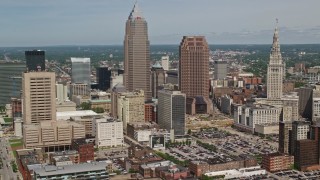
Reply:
x=235, y=144
x=293, y=174
x=185, y=152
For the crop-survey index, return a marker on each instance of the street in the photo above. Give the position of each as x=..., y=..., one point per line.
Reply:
x=6, y=157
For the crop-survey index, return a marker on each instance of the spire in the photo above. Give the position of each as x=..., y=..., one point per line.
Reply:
x=275, y=44
x=135, y=13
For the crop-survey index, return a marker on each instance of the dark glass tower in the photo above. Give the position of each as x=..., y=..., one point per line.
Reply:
x=103, y=78
x=35, y=60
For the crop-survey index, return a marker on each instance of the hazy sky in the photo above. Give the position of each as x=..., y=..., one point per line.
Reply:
x=102, y=22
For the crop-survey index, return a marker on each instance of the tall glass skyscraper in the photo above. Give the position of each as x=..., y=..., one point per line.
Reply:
x=81, y=71
x=10, y=80
x=137, y=54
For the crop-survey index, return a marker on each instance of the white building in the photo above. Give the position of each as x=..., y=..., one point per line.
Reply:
x=61, y=92
x=18, y=127
x=165, y=62
x=108, y=132
x=315, y=109
x=235, y=174
x=247, y=116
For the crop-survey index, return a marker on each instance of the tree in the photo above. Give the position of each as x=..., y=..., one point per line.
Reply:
x=85, y=106
x=189, y=131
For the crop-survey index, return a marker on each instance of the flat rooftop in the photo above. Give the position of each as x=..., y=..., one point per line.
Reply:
x=68, y=114
x=49, y=170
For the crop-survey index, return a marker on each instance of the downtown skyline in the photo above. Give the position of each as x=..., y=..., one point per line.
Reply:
x=43, y=23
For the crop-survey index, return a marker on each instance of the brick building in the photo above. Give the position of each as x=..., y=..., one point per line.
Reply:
x=85, y=149
x=277, y=162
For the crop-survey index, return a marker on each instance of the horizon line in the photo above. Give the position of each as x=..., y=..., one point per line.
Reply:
x=74, y=45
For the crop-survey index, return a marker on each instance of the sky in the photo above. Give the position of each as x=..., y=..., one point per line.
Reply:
x=102, y=22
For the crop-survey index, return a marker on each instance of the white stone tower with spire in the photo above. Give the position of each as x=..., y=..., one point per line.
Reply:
x=275, y=70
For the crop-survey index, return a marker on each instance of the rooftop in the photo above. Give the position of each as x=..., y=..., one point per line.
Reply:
x=50, y=170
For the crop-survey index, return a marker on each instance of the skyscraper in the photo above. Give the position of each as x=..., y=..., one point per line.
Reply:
x=194, y=66
x=10, y=80
x=275, y=70
x=220, y=69
x=157, y=78
x=103, y=78
x=171, y=111
x=80, y=69
x=137, y=54
x=35, y=60
x=39, y=97
x=165, y=62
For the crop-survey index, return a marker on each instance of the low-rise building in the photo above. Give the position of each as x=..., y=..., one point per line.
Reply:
x=237, y=174
x=52, y=135
x=85, y=148
x=277, y=162
x=267, y=129
x=94, y=170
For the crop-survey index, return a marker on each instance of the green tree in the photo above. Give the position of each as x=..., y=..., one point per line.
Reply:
x=85, y=106
x=189, y=131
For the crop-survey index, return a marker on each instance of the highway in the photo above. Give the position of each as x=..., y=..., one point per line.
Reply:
x=6, y=157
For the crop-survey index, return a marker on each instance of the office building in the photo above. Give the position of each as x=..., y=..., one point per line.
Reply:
x=277, y=162
x=137, y=54
x=108, y=132
x=158, y=78
x=199, y=105
x=220, y=69
x=103, y=78
x=116, y=92
x=81, y=71
x=79, y=89
x=275, y=70
x=130, y=107
x=171, y=111
x=52, y=135
x=35, y=60
x=38, y=93
x=300, y=131
x=284, y=137
x=10, y=80
x=194, y=66
x=85, y=148
x=165, y=62
x=247, y=116
x=61, y=93
x=172, y=77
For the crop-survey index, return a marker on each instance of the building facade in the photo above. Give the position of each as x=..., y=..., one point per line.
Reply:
x=10, y=80
x=108, y=132
x=220, y=69
x=137, y=54
x=275, y=71
x=103, y=78
x=130, y=107
x=81, y=71
x=171, y=111
x=194, y=66
x=35, y=60
x=165, y=62
x=38, y=93
x=158, y=78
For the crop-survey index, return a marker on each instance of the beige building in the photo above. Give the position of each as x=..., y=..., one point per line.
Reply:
x=38, y=92
x=52, y=135
x=137, y=54
x=130, y=107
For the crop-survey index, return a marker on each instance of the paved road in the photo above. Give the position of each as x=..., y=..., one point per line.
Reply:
x=6, y=157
